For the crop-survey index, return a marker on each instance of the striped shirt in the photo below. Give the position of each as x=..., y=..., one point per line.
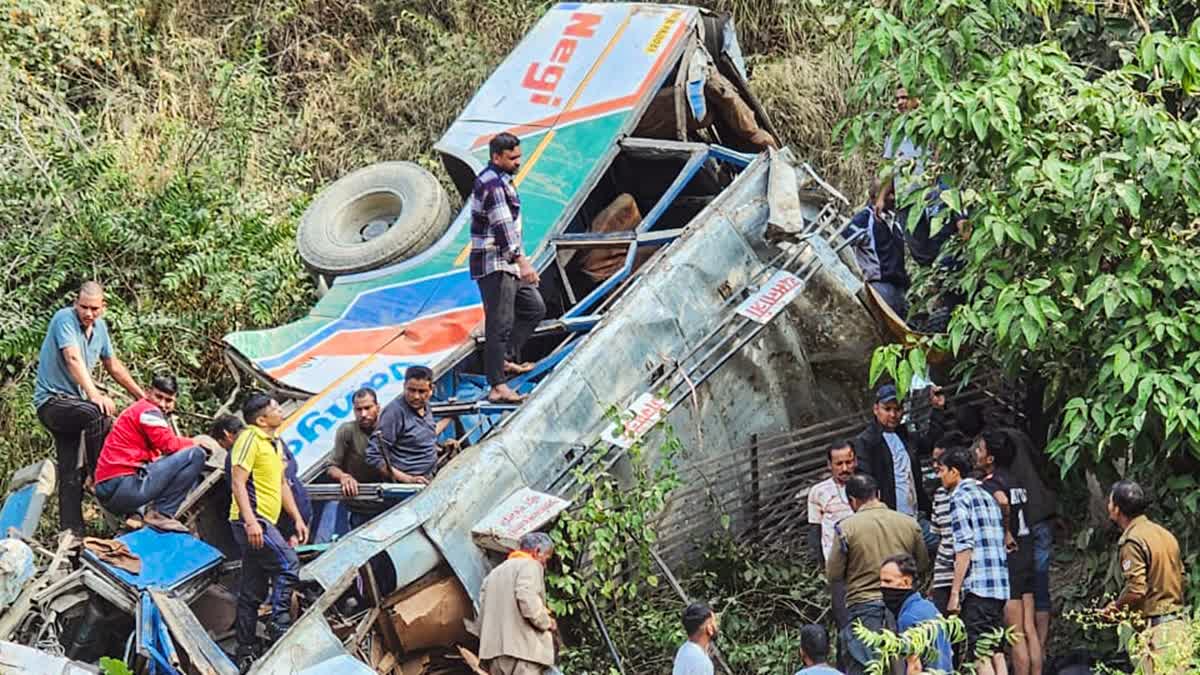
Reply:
x=495, y=223
x=978, y=527
x=943, y=562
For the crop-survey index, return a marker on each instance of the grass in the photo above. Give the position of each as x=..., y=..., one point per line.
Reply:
x=260, y=104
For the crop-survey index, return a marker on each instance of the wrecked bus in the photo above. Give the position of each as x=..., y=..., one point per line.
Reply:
x=690, y=273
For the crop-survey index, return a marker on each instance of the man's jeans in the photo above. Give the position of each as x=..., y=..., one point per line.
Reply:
x=895, y=296
x=854, y=654
x=275, y=564
x=70, y=421
x=1043, y=553
x=163, y=483
x=511, y=310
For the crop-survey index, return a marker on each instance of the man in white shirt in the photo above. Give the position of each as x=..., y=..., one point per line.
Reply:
x=827, y=506
x=700, y=624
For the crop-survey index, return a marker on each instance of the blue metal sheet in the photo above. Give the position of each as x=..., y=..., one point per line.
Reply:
x=154, y=641
x=169, y=559
x=16, y=510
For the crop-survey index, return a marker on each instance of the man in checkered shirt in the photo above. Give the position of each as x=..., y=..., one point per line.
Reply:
x=512, y=305
x=980, y=586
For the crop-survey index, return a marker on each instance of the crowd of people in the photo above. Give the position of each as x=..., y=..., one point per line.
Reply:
x=137, y=465
x=982, y=540
x=981, y=545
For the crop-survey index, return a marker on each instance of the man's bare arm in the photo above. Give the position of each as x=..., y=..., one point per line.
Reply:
x=120, y=373
x=78, y=371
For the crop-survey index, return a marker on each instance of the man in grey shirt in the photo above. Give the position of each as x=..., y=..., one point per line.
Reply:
x=404, y=445
x=700, y=624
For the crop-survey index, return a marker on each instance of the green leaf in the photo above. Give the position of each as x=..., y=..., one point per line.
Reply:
x=1120, y=361
x=1034, y=309
x=1030, y=328
x=1049, y=309
x=979, y=122
x=1112, y=302
x=1132, y=198
x=958, y=333
x=904, y=375
x=916, y=361
x=879, y=360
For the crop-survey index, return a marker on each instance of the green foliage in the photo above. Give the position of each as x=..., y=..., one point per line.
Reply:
x=111, y=666
x=762, y=597
x=605, y=541
x=190, y=229
x=1066, y=132
x=920, y=642
x=1081, y=188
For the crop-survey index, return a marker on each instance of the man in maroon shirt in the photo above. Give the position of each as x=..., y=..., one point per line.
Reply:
x=145, y=464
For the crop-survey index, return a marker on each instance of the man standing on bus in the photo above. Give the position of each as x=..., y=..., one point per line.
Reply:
x=512, y=304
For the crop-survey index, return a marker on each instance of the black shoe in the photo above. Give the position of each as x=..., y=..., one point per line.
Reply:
x=276, y=631
x=245, y=658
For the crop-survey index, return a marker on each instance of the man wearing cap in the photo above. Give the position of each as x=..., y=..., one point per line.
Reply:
x=1153, y=572
x=889, y=452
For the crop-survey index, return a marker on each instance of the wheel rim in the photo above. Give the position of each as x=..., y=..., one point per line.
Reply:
x=366, y=217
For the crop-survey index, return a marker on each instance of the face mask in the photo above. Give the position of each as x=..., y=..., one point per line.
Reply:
x=893, y=598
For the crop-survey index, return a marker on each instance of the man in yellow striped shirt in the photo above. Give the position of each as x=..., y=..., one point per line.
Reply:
x=260, y=493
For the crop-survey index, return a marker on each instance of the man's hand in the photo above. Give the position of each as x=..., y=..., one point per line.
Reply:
x=952, y=603
x=293, y=541
x=105, y=403
x=254, y=533
x=553, y=625
x=208, y=443
x=964, y=229
x=1010, y=544
x=937, y=398
x=301, y=533
x=401, y=477
x=349, y=485
x=527, y=273
x=451, y=445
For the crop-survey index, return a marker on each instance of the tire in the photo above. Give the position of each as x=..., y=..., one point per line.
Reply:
x=376, y=216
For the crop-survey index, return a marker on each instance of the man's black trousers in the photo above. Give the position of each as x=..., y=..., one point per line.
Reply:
x=512, y=309
x=70, y=421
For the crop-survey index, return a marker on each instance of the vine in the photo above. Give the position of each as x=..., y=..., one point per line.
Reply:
x=605, y=541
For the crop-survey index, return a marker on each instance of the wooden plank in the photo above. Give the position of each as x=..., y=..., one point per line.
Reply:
x=191, y=637
x=363, y=626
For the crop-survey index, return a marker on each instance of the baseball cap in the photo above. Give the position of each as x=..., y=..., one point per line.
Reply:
x=885, y=393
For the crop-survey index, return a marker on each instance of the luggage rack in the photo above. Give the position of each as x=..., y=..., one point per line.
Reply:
x=730, y=335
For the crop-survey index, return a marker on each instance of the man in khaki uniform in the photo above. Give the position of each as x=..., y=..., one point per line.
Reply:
x=1149, y=558
x=862, y=542
x=515, y=626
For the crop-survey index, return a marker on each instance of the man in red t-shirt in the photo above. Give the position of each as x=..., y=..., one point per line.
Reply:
x=145, y=464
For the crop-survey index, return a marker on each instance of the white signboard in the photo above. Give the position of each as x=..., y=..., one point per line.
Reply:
x=771, y=297
x=523, y=512
x=639, y=418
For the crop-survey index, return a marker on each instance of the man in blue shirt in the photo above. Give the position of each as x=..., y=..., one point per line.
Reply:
x=508, y=284
x=68, y=402
x=404, y=447
x=896, y=577
x=814, y=651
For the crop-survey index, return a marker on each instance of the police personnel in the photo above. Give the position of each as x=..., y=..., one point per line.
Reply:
x=1153, y=572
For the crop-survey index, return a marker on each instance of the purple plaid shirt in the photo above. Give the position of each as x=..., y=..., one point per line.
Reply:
x=495, y=223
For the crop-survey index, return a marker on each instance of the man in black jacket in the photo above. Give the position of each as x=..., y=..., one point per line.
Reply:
x=888, y=452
